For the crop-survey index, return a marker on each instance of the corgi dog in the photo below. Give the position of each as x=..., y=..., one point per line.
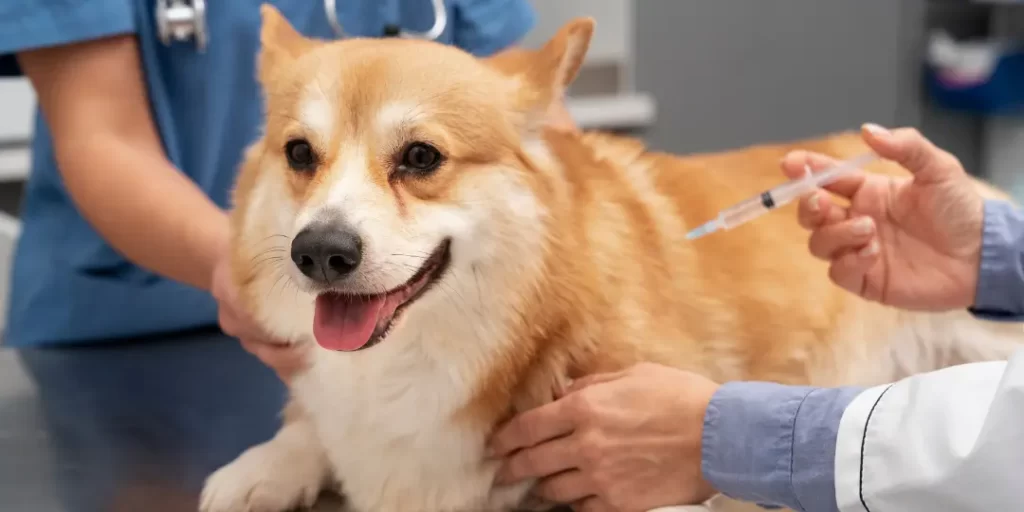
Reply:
x=449, y=261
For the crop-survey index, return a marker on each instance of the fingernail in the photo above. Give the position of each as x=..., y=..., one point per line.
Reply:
x=876, y=130
x=814, y=203
x=870, y=250
x=864, y=226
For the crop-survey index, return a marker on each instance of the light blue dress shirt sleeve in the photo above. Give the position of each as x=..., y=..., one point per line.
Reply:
x=484, y=27
x=1000, y=293
x=775, y=445
x=30, y=24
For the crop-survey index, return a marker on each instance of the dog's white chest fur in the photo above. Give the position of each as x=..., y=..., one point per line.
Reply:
x=386, y=420
x=384, y=424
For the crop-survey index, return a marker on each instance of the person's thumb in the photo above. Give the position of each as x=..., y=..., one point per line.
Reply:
x=910, y=149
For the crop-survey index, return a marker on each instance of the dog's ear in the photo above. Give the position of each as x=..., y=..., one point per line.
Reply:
x=544, y=74
x=557, y=63
x=279, y=41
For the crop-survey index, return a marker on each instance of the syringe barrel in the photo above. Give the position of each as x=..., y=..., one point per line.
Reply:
x=744, y=212
x=758, y=205
x=785, y=194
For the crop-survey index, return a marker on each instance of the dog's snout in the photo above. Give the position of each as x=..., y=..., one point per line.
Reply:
x=325, y=253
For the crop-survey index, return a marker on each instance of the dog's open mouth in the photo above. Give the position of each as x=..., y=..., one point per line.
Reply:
x=352, y=322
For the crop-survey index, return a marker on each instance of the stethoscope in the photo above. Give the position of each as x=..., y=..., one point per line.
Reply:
x=179, y=20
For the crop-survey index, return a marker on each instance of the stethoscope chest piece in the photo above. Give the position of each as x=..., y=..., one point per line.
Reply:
x=178, y=20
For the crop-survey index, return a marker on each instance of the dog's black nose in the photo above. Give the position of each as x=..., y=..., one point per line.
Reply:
x=325, y=253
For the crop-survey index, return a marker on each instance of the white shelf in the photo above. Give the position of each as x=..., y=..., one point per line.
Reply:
x=620, y=111
x=14, y=163
x=17, y=107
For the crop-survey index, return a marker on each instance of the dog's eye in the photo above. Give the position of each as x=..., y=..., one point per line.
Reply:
x=420, y=157
x=300, y=155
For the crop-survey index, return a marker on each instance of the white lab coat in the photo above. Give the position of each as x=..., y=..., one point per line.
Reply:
x=950, y=440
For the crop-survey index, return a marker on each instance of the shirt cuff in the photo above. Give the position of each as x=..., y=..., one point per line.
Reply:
x=773, y=444
x=1000, y=289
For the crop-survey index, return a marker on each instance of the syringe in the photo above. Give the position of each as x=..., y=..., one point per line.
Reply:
x=752, y=208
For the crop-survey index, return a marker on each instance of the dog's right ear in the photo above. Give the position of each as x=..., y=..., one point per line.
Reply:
x=279, y=41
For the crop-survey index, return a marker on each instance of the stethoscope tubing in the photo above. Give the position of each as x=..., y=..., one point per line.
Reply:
x=432, y=34
x=178, y=20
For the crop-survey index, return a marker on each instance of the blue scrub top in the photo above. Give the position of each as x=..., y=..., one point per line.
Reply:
x=68, y=284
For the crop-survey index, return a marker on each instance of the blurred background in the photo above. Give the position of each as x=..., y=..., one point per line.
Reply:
x=690, y=76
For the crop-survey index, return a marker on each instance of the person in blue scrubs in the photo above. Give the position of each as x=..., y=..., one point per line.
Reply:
x=135, y=150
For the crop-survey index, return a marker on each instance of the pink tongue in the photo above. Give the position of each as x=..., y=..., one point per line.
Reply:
x=346, y=324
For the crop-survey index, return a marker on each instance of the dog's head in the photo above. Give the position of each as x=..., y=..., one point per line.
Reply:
x=391, y=180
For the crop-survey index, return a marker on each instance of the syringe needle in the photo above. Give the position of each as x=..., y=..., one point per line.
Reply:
x=754, y=207
x=704, y=229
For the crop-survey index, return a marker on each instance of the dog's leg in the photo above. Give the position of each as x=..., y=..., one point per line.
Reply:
x=286, y=472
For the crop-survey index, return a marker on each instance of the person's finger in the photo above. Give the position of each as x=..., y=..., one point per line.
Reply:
x=532, y=427
x=849, y=271
x=269, y=349
x=592, y=504
x=907, y=147
x=590, y=380
x=566, y=487
x=817, y=209
x=827, y=242
x=538, y=461
x=796, y=164
x=286, y=360
x=237, y=325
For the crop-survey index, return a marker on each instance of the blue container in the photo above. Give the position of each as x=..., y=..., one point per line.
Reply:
x=980, y=78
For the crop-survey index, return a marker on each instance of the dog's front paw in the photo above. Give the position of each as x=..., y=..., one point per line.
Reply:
x=266, y=478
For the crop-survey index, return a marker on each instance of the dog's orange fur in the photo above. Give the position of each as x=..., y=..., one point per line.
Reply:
x=615, y=282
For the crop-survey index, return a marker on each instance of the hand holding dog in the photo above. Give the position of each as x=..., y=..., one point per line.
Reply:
x=285, y=359
x=913, y=243
x=628, y=441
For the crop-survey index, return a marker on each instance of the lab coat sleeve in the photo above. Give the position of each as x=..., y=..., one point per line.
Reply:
x=30, y=24
x=485, y=27
x=947, y=440
x=1000, y=292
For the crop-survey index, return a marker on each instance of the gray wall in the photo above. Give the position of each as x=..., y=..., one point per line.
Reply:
x=733, y=72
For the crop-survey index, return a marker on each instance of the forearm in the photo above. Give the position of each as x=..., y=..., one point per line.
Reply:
x=773, y=444
x=145, y=208
x=112, y=161
x=922, y=443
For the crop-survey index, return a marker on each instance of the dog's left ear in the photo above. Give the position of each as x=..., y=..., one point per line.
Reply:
x=557, y=63
x=547, y=72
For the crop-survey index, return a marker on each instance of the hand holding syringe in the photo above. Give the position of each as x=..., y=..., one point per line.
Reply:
x=752, y=208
